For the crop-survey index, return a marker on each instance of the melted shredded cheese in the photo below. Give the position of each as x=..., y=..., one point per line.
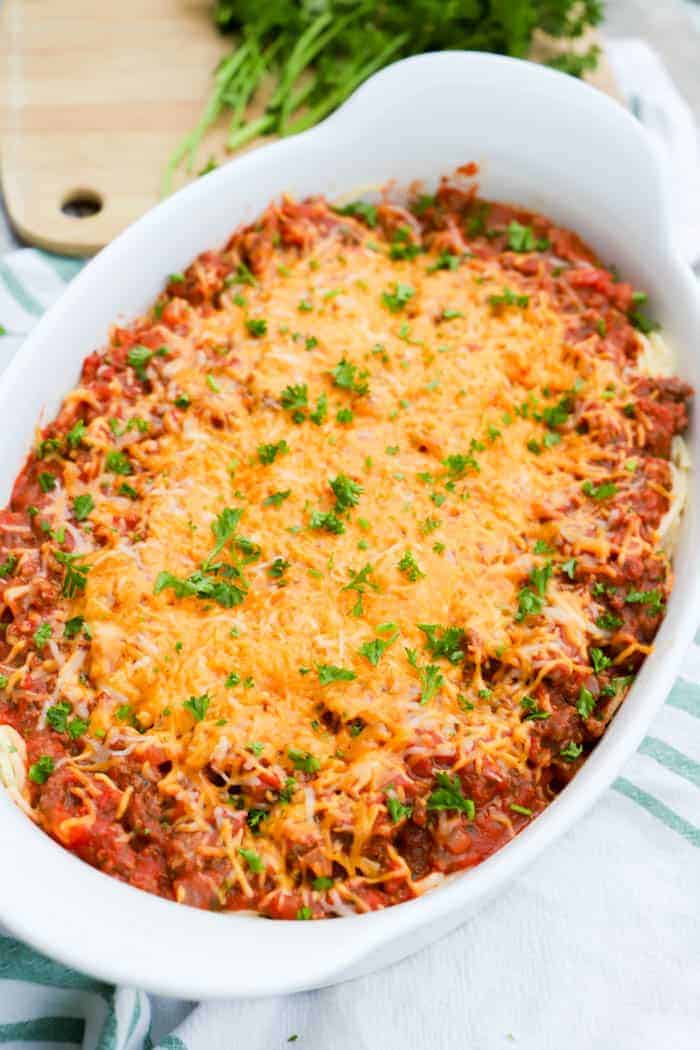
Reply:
x=431, y=399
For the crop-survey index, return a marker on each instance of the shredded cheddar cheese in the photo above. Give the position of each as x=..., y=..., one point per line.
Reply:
x=339, y=515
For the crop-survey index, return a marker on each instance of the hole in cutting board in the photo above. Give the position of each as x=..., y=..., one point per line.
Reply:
x=81, y=204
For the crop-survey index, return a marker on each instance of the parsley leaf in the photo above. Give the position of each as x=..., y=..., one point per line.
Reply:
x=348, y=376
x=326, y=521
x=41, y=770
x=346, y=491
x=75, y=578
x=449, y=795
x=374, y=650
x=83, y=505
x=408, y=565
x=304, y=762
x=509, y=298
x=360, y=210
x=397, y=810
x=328, y=673
x=586, y=702
x=268, y=453
x=253, y=860
x=396, y=300
x=599, y=492
x=444, y=642
x=198, y=706
x=295, y=399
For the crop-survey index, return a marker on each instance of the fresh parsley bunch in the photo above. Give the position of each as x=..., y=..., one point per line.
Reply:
x=316, y=52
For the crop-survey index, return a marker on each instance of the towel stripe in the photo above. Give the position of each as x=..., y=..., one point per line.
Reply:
x=19, y=963
x=18, y=291
x=672, y=759
x=657, y=809
x=44, y=1030
x=686, y=697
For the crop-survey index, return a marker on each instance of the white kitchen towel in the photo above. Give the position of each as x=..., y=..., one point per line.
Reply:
x=596, y=945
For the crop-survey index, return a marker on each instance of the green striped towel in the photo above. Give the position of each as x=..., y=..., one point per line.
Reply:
x=608, y=916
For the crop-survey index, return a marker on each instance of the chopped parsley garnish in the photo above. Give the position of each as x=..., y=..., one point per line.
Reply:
x=198, y=706
x=83, y=505
x=203, y=586
x=57, y=716
x=522, y=239
x=278, y=568
x=403, y=246
x=359, y=582
x=295, y=399
x=276, y=499
x=322, y=882
x=640, y=320
x=409, y=567
x=45, y=447
x=41, y=770
x=568, y=567
x=254, y=862
x=269, y=453
x=256, y=326
x=557, y=415
x=654, y=599
x=444, y=261
x=326, y=521
x=522, y=810
x=125, y=489
x=374, y=650
x=182, y=401
x=459, y=463
x=304, y=761
x=319, y=414
x=139, y=357
x=224, y=528
x=232, y=680
x=599, y=661
x=303, y=913
x=118, y=463
x=76, y=434
x=599, y=492
x=348, y=376
x=360, y=210
x=242, y=275
x=74, y=626
x=571, y=752
x=8, y=566
x=509, y=298
x=449, y=795
x=42, y=635
x=608, y=622
x=47, y=482
x=328, y=673
x=431, y=677
x=75, y=578
x=346, y=491
x=533, y=713
x=445, y=643
x=586, y=702
x=304, y=306
x=397, y=810
x=396, y=300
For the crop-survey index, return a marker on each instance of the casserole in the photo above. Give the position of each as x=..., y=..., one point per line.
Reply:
x=447, y=108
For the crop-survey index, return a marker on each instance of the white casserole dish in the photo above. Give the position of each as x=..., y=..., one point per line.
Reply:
x=542, y=140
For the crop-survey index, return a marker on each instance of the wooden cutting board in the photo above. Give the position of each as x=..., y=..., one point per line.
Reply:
x=94, y=98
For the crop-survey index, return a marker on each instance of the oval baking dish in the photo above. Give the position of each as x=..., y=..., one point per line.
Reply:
x=542, y=141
